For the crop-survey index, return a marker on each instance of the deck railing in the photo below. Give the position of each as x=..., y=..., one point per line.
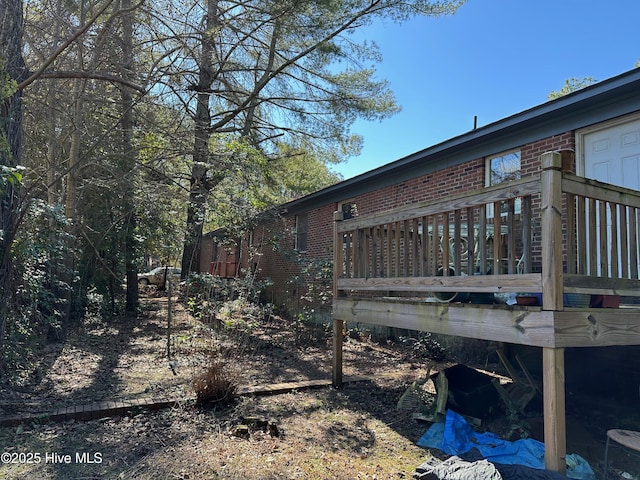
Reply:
x=602, y=237
x=551, y=232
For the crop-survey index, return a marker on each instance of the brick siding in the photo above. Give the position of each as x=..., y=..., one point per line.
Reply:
x=275, y=239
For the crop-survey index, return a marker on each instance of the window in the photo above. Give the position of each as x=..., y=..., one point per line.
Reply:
x=349, y=209
x=503, y=168
x=301, y=232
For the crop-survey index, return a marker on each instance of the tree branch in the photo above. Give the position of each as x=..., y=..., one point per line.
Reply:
x=56, y=53
x=95, y=76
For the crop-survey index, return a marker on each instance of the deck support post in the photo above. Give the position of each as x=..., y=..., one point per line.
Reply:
x=338, y=325
x=555, y=448
x=552, y=299
x=336, y=367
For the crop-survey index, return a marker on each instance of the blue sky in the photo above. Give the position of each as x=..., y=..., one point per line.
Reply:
x=493, y=58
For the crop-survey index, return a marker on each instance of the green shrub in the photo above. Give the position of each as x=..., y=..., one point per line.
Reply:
x=38, y=305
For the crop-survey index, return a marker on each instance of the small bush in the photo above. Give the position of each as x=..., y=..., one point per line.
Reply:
x=214, y=385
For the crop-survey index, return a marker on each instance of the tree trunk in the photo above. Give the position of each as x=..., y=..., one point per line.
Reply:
x=54, y=189
x=71, y=199
x=200, y=183
x=129, y=162
x=195, y=220
x=72, y=177
x=11, y=30
x=53, y=193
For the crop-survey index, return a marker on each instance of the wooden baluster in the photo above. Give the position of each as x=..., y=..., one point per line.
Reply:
x=389, y=259
x=633, y=241
x=360, y=252
x=381, y=261
x=405, y=248
x=424, y=248
x=445, y=244
x=374, y=252
x=581, y=242
x=497, y=237
x=592, y=237
x=624, y=242
x=435, y=245
x=457, y=239
x=527, y=235
x=482, y=238
x=470, y=242
x=415, y=261
x=604, y=250
x=613, y=240
x=354, y=254
x=397, y=249
x=362, y=243
x=511, y=236
x=338, y=251
x=571, y=234
x=348, y=267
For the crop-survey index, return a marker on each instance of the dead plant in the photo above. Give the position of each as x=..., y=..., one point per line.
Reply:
x=215, y=384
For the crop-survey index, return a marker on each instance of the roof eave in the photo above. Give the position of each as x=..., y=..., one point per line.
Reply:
x=553, y=114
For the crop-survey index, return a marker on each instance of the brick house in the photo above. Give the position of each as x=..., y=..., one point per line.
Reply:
x=552, y=172
x=221, y=254
x=303, y=228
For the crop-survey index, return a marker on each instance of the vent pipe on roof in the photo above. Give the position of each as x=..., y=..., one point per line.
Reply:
x=475, y=122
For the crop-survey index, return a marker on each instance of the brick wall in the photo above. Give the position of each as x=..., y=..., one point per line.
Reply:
x=274, y=259
x=279, y=262
x=467, y=176
x=530, y=164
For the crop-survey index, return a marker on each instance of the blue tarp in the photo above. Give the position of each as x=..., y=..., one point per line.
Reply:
x=455, y=437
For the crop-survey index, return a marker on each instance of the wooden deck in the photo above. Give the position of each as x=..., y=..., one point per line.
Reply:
x=511, y=324
x=551, y=233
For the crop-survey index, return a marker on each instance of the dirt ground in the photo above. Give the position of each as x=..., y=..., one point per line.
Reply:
x=356, y=432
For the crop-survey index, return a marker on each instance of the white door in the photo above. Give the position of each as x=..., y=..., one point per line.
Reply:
x=611, y=154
